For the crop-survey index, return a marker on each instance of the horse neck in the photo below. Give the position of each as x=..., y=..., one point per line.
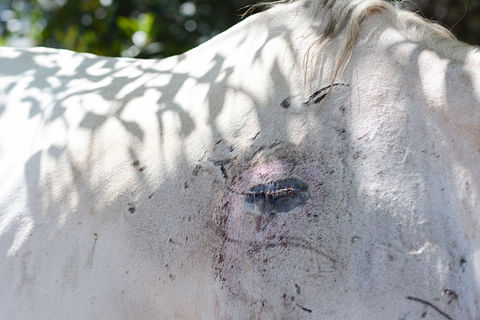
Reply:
x=452, y=92
x=444, y=85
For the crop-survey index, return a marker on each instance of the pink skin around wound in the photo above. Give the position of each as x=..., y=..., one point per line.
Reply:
x=252, y=236
x=243, y=224
x=239, y=221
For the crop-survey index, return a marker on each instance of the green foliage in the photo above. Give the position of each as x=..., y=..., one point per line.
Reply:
x=461, y=17
x=136, y=28
x=159, y=28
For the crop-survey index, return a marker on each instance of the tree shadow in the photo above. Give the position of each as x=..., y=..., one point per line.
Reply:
x=141, y=156
x=103, y=148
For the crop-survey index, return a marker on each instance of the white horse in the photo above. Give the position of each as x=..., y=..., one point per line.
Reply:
x=319, y=160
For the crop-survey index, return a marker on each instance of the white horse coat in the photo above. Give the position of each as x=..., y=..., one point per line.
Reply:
x=228, y=183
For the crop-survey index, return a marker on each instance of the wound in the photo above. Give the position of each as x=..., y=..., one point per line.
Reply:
x=276, y=196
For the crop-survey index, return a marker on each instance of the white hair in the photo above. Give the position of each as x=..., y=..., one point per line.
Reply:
x=346, y=16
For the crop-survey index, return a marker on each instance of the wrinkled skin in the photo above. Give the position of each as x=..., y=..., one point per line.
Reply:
x=124, y=182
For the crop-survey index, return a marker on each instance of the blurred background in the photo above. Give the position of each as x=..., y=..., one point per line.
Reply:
x=160, y=28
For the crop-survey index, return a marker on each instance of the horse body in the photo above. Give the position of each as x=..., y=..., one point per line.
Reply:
x=128, y=183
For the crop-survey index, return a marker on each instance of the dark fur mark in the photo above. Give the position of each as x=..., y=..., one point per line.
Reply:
x=222, y=164
x=451, y=294
x=463, y=261
x=224, y=172
x=285, y=103
x=262, y=148
x=196, y=170
x=136, y=164
x=319, y=99
x=297, y=288
x=431, y=305
x=319, y=95
x=303, y=308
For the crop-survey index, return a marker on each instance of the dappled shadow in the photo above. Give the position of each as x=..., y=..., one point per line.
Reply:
x=154, y=159
x=427, y=98
x=32, y=180
x=106, y=135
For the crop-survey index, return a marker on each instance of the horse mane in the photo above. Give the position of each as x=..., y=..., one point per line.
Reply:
x=347, y=16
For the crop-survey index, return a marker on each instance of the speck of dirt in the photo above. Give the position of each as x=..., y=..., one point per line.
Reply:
x=297, y=288
x=285, y=103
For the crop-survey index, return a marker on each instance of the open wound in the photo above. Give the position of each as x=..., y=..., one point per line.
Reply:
x=276, y=196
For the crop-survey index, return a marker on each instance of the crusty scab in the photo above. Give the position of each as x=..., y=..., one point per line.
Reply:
x=276, y=196
x=270, y=191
